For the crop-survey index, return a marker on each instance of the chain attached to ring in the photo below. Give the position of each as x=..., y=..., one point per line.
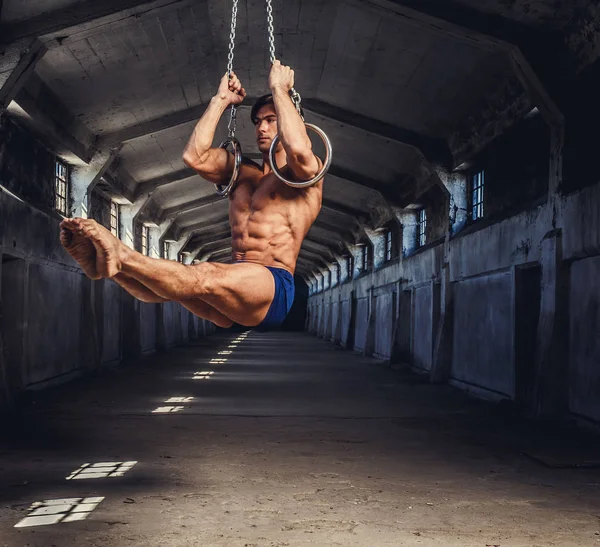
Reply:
x=225, y=189
x=295, y=96
x=232, y=126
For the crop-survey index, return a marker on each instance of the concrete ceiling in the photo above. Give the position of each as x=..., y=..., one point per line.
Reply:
x=394, y=83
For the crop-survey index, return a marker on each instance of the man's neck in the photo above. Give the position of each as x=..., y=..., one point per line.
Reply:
x=280, y=158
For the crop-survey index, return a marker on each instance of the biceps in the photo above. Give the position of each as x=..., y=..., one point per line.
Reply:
x=304, y=166
x=216, y=166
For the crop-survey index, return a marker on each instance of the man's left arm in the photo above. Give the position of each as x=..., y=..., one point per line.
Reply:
x=291, y=129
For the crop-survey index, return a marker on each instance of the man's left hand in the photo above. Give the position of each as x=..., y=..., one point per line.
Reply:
x=281, y=77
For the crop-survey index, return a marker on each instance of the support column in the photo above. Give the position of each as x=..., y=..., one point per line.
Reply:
x=369, y=347
x=18, y=63
x=84, y=179
x=456, y=184
x=550, y=399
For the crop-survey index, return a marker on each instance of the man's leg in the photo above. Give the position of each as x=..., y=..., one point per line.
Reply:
x=83, y=251
x=197, y=307
x=241, y=292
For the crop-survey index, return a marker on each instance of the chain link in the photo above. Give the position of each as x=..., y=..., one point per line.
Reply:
x=232, y=36
x=232, y=126
x=296, y=99
x=271, y=30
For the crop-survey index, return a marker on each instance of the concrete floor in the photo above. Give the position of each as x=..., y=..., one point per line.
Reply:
x=290, y=442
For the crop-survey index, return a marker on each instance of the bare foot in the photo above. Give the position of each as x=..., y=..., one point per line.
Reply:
x=106, y=245
x=82, y=250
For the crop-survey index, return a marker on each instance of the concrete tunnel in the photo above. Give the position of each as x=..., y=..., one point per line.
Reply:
x=437, y=380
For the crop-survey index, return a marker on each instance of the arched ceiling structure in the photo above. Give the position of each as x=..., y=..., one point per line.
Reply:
x=402, y=87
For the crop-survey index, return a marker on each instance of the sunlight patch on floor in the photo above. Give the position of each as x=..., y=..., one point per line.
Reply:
x=44, y=513
x=101, y=470
x=167, y=409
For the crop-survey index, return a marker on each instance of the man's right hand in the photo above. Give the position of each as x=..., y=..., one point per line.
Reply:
x=231, y=90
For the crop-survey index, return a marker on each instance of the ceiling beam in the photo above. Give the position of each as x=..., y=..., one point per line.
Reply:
x=197, y=226
x=82, y=19
x=435, y=150
x=533, y=53
x=193, y=205
x=17, y=63
x=388, y=191
x=157, y=125
x=344, y=209
x=64, y=134
x=148, y=186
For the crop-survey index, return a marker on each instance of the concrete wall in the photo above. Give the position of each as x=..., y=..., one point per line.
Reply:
x=55, y=323
x=454, y=307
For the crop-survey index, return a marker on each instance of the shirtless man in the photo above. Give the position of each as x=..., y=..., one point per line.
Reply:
x=269, y=220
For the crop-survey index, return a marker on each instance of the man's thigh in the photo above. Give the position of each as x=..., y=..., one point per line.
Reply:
x=243, y=292
x=206, y=311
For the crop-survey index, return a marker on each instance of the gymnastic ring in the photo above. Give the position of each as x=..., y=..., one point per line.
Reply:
x=319, y=175
x=221, y=189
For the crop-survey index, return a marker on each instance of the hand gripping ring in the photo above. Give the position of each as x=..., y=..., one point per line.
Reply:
x=221, y=189
x=319, y=175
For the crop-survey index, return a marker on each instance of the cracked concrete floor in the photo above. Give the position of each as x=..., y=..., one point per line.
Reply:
x=289, y=442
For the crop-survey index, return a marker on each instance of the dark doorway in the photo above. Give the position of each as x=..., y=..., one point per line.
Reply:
x=296, y=319
x=528, y=292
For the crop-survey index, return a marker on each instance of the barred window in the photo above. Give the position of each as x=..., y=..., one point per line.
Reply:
x=366, y=257
x=350, y=266
x=114, y=218
x=338, y=270
x=61, y=187
x=421, y=228
x=145, y=240
x=388, y=245
x=477, y=183
x=166, y=250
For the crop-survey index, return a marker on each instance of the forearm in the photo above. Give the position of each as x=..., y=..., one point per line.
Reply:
x=136, y=289
x=290, y=126
x=202, y=138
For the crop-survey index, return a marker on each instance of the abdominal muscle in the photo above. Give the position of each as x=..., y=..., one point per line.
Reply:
x=266, y=239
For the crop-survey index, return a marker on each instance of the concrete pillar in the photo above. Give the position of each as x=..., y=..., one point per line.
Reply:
x=456, y=184
x=377, y=240
x=369, y=347
x=84, y=178
x=356, y=251
x=408, y=219
x=550, y=398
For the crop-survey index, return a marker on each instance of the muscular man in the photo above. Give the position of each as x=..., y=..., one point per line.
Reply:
x=268, y=220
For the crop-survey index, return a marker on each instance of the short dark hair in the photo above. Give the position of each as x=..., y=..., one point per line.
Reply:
x=263, y=101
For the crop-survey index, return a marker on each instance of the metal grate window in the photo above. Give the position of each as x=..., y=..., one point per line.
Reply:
x=114, y=218
x=388, y=245
x=145, y=240
x=477, y=183
x=61, y=187
x=350, y=266
x=166, y=250
x=422, y=228
x=338, y=270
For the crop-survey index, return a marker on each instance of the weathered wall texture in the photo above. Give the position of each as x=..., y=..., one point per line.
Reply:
x=55, y=323
x=470, y=338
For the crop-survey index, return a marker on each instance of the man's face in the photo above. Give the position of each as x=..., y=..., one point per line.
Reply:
x=266, y=127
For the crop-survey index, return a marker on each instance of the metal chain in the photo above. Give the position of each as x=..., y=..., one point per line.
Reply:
x=271, y=30
x=233, y=117
x=295, y=96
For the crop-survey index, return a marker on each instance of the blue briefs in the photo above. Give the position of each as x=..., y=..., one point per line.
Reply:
x=283, y=299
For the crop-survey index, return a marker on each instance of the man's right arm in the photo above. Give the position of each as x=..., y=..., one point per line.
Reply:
x=213, y=164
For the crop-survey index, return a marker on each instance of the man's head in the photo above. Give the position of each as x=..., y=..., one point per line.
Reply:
x=264, y=118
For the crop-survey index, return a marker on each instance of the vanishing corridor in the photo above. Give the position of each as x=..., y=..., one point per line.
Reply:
x=282, y=439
